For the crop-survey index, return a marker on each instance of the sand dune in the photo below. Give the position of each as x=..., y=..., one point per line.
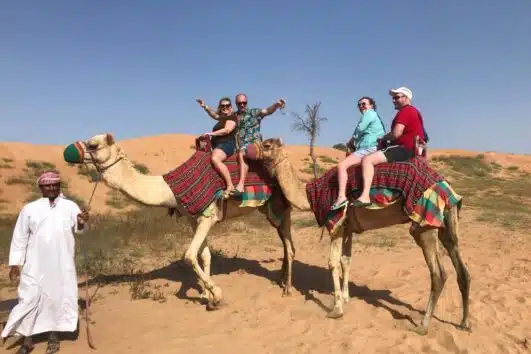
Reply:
x=160, y=154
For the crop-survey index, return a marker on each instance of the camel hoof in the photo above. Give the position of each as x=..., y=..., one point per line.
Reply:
x=464, y=326
x=335, y=313
x=214, y=306
x=420, y=330
x=287, y=293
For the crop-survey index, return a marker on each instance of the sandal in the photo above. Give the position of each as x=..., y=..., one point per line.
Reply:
x=236, y=193
x=339, y=206
x=358, y=204
x=53, y=347
x=25, y=349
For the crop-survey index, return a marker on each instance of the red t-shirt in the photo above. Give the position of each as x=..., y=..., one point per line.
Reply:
x=413, y=125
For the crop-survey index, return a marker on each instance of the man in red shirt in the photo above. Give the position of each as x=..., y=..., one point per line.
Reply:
x=405, y=126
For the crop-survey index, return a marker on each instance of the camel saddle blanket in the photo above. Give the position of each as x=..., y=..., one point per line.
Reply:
x=196, y=183
x=426, y=193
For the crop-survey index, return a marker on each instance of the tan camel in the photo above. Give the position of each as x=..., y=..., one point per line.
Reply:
x=118, y=172
x=361, y=219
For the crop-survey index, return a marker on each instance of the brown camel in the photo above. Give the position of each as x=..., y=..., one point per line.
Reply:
x=361, y=219
x=118, y=172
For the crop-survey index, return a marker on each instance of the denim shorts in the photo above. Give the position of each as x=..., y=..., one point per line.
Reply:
x=364, y=152
x=228, y=147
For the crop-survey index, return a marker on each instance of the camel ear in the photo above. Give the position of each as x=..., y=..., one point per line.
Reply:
x=109, y=138
x=280, y=142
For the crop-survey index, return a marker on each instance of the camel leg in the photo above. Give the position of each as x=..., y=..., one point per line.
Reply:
x=427, y=240
x=284, y=268
x=334, y=264
x=284, y=232
x=345, y=262
x=204, y=224
x=206, y=258
x=449, y=239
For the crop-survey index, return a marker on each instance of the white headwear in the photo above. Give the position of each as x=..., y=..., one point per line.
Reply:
x=403, y=90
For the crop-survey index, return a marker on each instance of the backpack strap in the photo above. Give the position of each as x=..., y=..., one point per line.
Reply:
x=426, y=138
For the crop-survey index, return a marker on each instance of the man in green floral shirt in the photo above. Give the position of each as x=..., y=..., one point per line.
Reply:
x=249, y=120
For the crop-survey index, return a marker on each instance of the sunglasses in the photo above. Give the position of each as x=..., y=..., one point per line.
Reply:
x=242, y=103
x=362, y=104
x=397, y=97
x=224, y=105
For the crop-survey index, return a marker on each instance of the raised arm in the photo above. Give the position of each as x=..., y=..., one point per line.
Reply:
x=213, y=114
x=281, y=103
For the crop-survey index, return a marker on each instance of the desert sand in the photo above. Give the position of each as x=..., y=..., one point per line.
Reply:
x=389, y=283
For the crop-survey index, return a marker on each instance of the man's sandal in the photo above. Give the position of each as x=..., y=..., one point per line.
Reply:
x=53, y=347
x=25, y=349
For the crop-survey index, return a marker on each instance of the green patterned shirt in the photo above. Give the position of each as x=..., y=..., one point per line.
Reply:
x=249, y=127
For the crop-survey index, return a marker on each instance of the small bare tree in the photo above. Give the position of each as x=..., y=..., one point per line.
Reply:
x=310, y=125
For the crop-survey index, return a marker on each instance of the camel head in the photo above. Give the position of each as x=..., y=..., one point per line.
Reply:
x=100, y=150
x=272, y=150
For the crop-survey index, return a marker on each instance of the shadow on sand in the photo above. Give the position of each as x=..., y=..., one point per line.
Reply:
x=307, y=279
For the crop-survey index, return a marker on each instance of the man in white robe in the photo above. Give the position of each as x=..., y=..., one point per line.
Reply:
x=42, y=255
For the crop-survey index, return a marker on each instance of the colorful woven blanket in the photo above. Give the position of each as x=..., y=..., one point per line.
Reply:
x=196, y=183
x=410, y=180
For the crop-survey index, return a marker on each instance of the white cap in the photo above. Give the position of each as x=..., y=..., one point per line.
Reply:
x=403, y=90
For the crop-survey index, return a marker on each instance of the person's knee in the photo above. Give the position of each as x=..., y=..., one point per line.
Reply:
x=341, y=165
x=216, y=159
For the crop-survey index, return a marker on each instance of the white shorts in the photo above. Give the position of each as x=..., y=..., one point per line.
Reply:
x=364, y=152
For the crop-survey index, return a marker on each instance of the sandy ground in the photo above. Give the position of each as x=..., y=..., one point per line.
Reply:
x=388, y=288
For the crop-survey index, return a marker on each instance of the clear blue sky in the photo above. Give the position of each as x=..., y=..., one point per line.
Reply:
x=71, y=69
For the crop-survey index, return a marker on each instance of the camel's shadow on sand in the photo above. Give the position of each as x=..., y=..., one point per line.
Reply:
x=307, y=279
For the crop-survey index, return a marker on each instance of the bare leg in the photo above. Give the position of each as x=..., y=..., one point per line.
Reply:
x=449, y=239
x=203, y=227
x=427, y=240
x=244, y=169
x=334, y=264
x=342, y=176
x=284, y=232
x=367, y=166
x=345, y=261
x=218, y=156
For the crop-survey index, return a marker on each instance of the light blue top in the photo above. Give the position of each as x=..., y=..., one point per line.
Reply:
x=370, y=127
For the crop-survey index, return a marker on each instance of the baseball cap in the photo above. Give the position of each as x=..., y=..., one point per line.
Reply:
x=403, y=90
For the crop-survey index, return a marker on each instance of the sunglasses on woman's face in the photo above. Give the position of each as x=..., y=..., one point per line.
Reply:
x=224, y=105
x=362, y=104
